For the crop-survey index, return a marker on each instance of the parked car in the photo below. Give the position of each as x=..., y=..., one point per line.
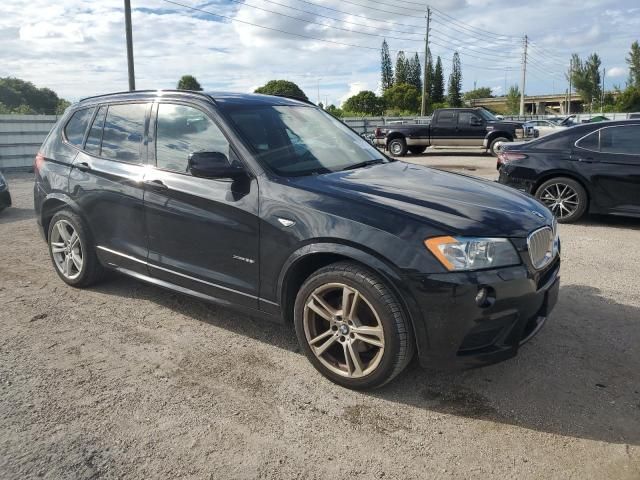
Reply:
x=545, y=127
x=271, y=206
x=593, y=167
x=634, y=116
x=5, y=196
x=452, y=127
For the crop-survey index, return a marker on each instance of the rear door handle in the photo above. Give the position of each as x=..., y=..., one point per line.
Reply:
x=156, y=184
x=83, y=166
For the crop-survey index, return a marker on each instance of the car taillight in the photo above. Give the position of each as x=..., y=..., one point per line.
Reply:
x=37, y=163
x=378, y=132
x=506, y=157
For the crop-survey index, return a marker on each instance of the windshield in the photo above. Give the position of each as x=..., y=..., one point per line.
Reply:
x=301, y=140
x=487, y=115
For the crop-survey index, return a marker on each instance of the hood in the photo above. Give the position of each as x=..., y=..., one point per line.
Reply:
x=454, y=203
x=503, y=123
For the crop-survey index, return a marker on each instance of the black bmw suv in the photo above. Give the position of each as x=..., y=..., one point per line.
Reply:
x=272, y=206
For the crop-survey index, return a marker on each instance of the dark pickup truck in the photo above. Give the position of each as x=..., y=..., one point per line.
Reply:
x=452, y=127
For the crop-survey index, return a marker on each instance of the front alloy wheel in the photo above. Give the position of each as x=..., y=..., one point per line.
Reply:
x=351, y=326
x=343, y=330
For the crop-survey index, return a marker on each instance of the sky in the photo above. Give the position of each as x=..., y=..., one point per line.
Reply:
x=330, y=48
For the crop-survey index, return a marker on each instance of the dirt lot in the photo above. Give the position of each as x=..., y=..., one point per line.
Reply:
x=126, y=380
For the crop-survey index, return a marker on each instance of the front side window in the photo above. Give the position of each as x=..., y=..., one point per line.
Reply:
x=300, y=140
x=183, y=130
x=623, y=139
x=77, y=125
x=123, y=132
x=468, y=119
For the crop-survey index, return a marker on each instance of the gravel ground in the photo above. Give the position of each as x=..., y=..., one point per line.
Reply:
x=126, y=380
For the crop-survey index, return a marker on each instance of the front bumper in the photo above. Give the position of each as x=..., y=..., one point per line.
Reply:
x=5, y=198
x=461, y=334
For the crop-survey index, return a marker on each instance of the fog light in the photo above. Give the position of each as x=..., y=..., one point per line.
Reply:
x=481, y=297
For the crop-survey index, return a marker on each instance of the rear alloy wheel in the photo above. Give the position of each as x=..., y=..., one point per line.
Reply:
x=397, y=147
x=351, y=327
x=565, y=197
x=496, y=143
x=71, y=250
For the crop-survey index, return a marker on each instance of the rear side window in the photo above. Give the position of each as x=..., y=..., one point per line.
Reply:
x=123, y=132
x=623, y=139
x=77, y=126
x=182, y=130
x=94, y=140
x=446, y=118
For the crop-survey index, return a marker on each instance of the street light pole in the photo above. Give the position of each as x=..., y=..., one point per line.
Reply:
x=127, y=21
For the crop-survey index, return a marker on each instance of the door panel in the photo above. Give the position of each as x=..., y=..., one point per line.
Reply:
x=611, y=155
x=203, y=233
x=443, y=128
x=471, y=129
x=110, y=192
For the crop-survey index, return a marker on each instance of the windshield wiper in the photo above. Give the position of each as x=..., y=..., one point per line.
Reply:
x=366, y=163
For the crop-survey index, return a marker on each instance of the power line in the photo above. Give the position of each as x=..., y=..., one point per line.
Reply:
x=471, y=27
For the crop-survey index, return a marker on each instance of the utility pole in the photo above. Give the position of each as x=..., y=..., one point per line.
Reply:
x=570, y=80
x=127, y=21
x=523, y=80
x=604, y=72
x=423, y=110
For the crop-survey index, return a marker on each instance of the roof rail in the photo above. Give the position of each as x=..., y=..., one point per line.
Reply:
x=194, y=92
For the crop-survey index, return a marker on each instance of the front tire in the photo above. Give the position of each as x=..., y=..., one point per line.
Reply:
x=495, y=145
x=351, y=326
x=397, y=147
x=565, y=197
x=72, y=251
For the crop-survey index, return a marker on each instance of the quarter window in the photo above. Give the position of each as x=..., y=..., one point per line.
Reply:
x=123, y=132
x=183, y=130
x=590, y=142
x=77, y=126
x=94, y=140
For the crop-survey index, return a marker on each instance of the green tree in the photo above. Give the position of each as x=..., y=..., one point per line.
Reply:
x=513, y=100
x=585, y=76
x=481, y=92
x=386, y=68
x=19, y=96
x=454, y=93
x=335, y=111
x=437, y=88
x=415, y=72
x=189, y=82
x=402, y=69
x=403, y=98
x=633, y=60
x=628, y=100
x=365, y=103
x=282, y=87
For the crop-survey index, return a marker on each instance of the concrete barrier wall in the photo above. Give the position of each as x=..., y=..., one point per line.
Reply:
x=21, y=137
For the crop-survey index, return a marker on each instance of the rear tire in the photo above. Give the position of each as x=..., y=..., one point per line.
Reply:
x=351, y=326
x=72, y=251
x=397, y=147
x=417, y=150
x=495, y=144
x=565, y=197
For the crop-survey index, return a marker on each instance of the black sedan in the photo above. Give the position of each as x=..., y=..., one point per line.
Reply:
x=591, y=168
x=5, y=196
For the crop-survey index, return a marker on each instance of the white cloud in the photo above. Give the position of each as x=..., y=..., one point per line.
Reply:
x=617, y=72
x=77, y=48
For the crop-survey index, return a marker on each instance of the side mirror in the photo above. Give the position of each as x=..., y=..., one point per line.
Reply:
x=476, y=123
x=212, y=165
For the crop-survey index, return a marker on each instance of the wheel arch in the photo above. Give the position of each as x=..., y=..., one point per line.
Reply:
x=51, y=205
x=310, y=258
x=563, y=174
x=500, y=133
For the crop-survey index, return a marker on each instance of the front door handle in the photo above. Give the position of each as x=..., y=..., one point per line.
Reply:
x=83, y=166
x=156, y=184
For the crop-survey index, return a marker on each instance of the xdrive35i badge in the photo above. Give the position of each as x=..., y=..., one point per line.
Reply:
x=244, y=259
x=537, y=214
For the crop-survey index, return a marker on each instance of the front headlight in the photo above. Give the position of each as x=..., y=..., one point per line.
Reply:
x=470, y=253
